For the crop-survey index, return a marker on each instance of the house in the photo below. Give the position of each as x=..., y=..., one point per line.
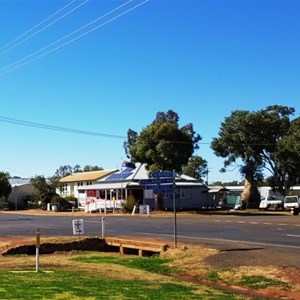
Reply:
x=21, y=193
x=217, y=197
x=110, y=191
x=69, y=185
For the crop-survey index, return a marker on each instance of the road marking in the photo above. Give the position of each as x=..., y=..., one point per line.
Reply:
x=254, y=222
x=219, y=240
x=227, y=221
x=267, y=223
x=242, y=222
x=293, y=235
x=282, y=224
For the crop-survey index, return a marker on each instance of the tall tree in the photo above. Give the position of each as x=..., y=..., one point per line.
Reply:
x=286, y=172
x=42, y=189
x=253, y=138
x=163, y=145
x=196, y=167
x=5, y=187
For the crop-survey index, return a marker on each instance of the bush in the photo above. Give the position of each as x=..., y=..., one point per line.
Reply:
x=73, y=200
x=129, y=204
x=62, y=203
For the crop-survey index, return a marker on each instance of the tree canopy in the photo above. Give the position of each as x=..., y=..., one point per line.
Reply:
x=5, y=187
x=43, y=189
x=196, y=167
x=267, y=139
x=163, y=145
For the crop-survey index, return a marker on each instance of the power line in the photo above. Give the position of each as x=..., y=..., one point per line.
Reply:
x=97, y=134
x=36, y=26
x=57, y=128
x=10, y=67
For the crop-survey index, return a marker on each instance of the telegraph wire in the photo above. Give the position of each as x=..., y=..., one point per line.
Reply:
x=10, y=67
x=57, y=128
x=31, y=29
x=97, y=134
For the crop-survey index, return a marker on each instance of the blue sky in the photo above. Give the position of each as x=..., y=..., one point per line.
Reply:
x=202, y=59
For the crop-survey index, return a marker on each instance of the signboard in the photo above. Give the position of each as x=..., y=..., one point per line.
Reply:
x=159, y=182
x=168, y=174
x=78, y=227
x=156, y=181
x=144, y=209
x=158, y=187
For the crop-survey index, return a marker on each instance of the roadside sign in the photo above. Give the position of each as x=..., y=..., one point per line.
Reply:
x=156, y=181
x=158, y=187
x=78, y=227
x=168, y=174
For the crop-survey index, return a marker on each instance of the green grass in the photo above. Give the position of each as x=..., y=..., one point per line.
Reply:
x=153, y=264
x=261, y=282
x=213, y=276
x=90, y=286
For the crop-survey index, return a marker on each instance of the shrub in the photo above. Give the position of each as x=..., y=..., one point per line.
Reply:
x=129, y=204
x=73, y=200
x=61, y=202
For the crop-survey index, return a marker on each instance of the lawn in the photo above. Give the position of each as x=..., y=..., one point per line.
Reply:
x=90, y=276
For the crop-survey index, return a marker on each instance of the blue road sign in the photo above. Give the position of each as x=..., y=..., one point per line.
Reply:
x=168, y=174
x=158, y=187
x=155, y=181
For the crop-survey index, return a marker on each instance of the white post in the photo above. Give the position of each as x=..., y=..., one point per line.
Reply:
x=133, y=211
x=38, y=241
x=103, y=226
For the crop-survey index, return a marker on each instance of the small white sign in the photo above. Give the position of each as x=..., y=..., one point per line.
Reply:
x=78, y=227
x=144, y=209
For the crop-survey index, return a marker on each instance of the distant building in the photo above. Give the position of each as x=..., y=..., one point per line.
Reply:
x=69, y=185
x=21, y=193
x=110, y=191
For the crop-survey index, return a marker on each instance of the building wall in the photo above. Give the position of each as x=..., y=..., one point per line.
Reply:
x=185, y=199
x=71, y=188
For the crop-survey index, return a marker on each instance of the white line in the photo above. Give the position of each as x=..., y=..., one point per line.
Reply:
x=293, y=235
x=267, y=223
x=220, y=240
x=241, y=222
x=281, y=224
x=254, y=222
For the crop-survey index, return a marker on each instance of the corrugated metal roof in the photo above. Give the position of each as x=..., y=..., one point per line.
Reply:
x=86, y=176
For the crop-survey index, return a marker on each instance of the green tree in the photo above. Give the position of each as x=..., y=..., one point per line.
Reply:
x=196, y=167
x=163, y=145
x=89, y=168
x=253, y=138
x=42, y=189
x=5, y=187
x=286, y=168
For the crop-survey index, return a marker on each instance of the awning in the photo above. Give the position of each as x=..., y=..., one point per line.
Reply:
x=105, y=186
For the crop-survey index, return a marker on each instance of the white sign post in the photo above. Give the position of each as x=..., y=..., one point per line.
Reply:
x=78, y=228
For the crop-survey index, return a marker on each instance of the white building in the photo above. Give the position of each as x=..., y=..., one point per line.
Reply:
x=69, y=185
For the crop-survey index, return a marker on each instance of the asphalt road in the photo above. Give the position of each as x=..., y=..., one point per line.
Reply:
x=280, y=231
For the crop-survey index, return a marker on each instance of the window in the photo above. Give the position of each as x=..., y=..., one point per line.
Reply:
x=91, y=193
x=102, y=194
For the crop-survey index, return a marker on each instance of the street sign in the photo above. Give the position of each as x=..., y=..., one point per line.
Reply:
x=168, y=174
x=156, y=181
x=78, y=227
x=158, y=187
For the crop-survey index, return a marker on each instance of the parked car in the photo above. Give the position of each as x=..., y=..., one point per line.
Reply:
x=291, y=202
x=271, y=202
